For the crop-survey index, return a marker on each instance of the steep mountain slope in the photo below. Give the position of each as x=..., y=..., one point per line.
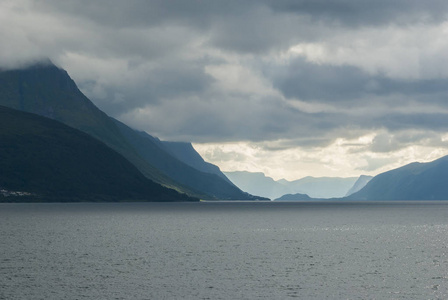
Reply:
x=416, y=181
x=359, y=184
x=46, y=160
x=47, y=90
x=149, y=149
x=187, y=154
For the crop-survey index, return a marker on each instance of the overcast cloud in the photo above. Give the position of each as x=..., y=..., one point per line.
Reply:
x=290, y=88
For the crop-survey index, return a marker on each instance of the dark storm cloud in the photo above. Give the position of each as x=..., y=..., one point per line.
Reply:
x=366, y=12
x=202, y=13
x=152, y=56
x=143, y=13
x=241, y=26
x=251, y=26
x=240, y=119
x=388, y=142
x=426, y=121
x=115, y=27
x=309, y=81
x=173, y=80
x=150, y=86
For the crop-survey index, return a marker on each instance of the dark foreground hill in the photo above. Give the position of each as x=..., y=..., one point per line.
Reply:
x=43, y=160
x=416, y=181
x=47, y=90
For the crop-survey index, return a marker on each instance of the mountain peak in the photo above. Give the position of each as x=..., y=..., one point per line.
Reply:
x=47, y=90
x=44, y=89
x=28, y=64
x=42, y=63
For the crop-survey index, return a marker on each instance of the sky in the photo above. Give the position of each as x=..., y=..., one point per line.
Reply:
x=289, y=88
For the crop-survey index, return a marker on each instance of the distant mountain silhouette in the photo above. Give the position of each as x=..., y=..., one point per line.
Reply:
x=315, y=187
x=359, y=184
x=416, y=181
x=47, y=90
x=42, y=160
x=258, y=184
x=294, y=197
x=322, y=187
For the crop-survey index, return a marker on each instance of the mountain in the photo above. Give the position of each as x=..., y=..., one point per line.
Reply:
x=294, y=197
x=258, y=184
x=416, y=181
x=187, y=154
x=49, y=91
x=42, y=160
x=207, y=185
x=359, y=184
x=320, y=187
x=182, y=151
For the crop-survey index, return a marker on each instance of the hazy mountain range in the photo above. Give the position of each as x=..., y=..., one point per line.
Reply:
x=415, y=181
x=321, y=187
x=85, y=155
x=47, y=90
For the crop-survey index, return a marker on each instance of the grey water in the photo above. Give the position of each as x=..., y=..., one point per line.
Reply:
x=229, y=250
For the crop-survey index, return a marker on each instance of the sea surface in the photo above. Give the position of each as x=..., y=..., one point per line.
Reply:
x=224, y=250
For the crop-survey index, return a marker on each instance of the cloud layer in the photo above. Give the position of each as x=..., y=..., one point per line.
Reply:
x=277, y=79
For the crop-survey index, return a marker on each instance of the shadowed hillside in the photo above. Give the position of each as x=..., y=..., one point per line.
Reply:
x=416, y=181
x=46, y=160
x=47, y=90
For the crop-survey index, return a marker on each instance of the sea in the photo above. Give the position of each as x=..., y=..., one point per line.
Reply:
x=224, y=250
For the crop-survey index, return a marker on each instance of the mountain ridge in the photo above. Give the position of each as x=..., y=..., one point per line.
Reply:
x=43, y=160
x=314, y=187
x=49, y=91
x=415, y=181
x=186, y=153
x=200, y=182
x=359, y=184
